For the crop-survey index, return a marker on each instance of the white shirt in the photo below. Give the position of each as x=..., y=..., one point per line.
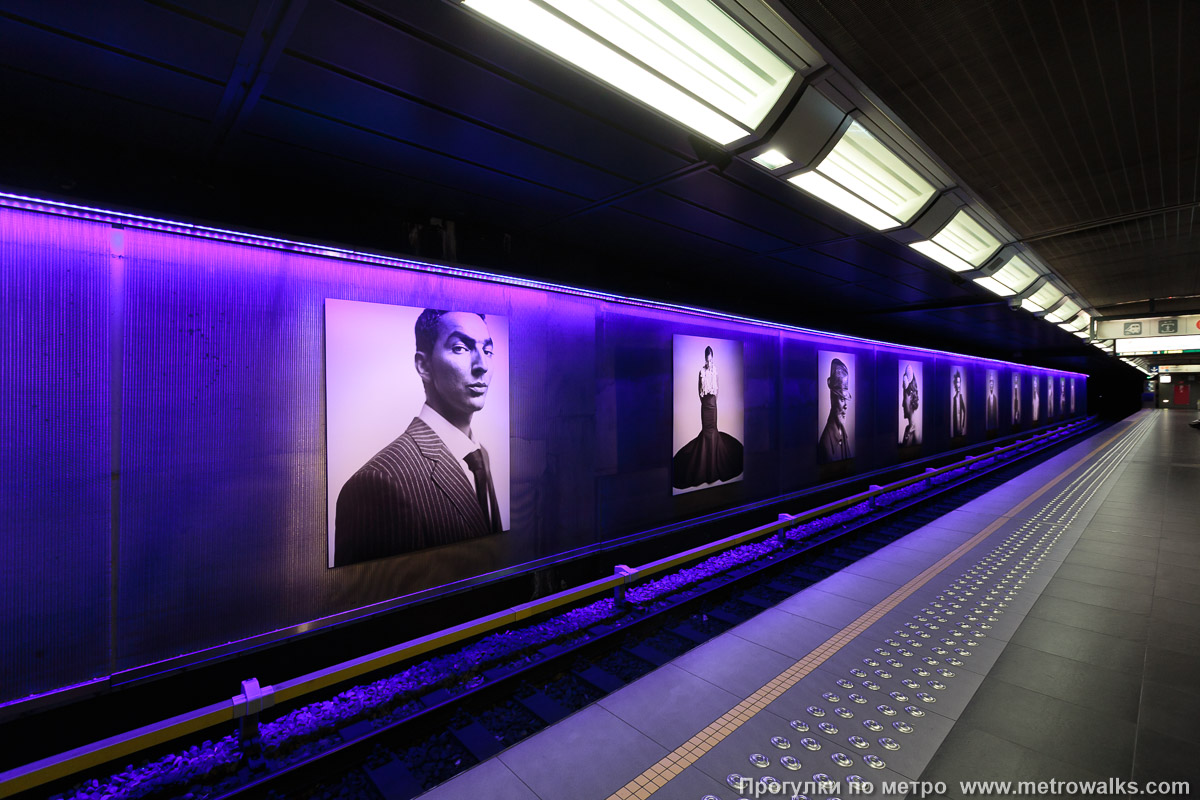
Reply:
x=458, y=443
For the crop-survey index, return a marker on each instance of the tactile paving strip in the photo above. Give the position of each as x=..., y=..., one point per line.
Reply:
x=898, y=682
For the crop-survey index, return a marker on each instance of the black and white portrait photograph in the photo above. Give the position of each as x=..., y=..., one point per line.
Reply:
x=1051, y=391
x=958, y=402
x=909, y=423
x=709, y=413
x=1036, y=402
x=835, y=407
x=1072, y=395
x=1016, y=399
x=417, y=422
x=991, y=402
x=1062, y=395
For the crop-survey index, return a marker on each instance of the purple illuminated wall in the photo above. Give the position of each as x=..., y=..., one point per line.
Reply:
x=55, y=423
x=165, y=429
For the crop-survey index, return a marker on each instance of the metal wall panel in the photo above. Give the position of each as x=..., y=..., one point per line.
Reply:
x=54, y=424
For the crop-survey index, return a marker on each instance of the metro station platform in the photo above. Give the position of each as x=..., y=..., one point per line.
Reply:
x=1049, y=629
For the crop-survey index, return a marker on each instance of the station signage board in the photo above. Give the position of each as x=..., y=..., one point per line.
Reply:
x=1184, y=325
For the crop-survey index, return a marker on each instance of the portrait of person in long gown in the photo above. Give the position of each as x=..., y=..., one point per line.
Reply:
x=1062, y=395
x=991, y=405
x=417, y=428
x=835, y=407
x=708, y=445
x=1072, y=395
x=1036, y=402
x=1050, y=397
x=958, y=404
x=909, y=424
x=1016, y=399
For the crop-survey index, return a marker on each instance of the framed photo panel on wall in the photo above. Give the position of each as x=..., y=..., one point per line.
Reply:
x=709, y=413
x=909, y=424
x=958, y=402
x=1016, y=398
x=417, y=428
x=991, y=402
x=835, y=407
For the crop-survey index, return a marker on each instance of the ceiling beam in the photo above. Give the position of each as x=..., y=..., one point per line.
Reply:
x=1107, y=221
x=625, y=194
x=269, y=31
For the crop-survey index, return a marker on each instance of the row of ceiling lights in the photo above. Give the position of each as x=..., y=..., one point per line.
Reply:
x=732, y=73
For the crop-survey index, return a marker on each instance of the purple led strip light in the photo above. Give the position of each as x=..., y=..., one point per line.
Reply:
x=59, y=208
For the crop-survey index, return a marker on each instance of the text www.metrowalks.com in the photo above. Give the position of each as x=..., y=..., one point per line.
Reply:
x=1112, y=787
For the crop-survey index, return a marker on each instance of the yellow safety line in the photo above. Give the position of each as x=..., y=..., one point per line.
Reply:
x=682, y=757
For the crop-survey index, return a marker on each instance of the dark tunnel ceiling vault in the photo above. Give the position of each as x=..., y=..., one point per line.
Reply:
x=361, y=122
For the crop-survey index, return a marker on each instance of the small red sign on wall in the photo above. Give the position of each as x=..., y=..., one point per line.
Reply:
x=1182, y=396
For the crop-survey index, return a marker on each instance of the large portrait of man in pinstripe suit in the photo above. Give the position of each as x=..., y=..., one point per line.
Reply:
x=436, y=483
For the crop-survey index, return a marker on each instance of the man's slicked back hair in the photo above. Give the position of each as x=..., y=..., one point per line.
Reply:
x=427, y=325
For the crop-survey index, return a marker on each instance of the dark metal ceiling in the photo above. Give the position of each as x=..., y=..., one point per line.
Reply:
x=1077, y=122
x=415, y=127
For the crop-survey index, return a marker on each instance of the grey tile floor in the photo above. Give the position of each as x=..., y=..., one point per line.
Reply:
x=1102, y=677
x=1088, y=671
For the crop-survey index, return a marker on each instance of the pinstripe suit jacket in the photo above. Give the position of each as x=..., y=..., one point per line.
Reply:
x=411, y=495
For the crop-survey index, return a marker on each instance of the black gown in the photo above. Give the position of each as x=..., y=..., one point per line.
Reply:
x=712, y=456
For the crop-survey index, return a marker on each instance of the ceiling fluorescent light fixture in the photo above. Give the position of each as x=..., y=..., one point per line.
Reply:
x=1015, y=276
x=995, y=287
x=1082, y=334
x=686, y=59
x=1080, y=323
x=961, y=245
x=1064, y=312
x=866, y=180
x=830, y=193
x=1043, y=298
x=772, y=159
